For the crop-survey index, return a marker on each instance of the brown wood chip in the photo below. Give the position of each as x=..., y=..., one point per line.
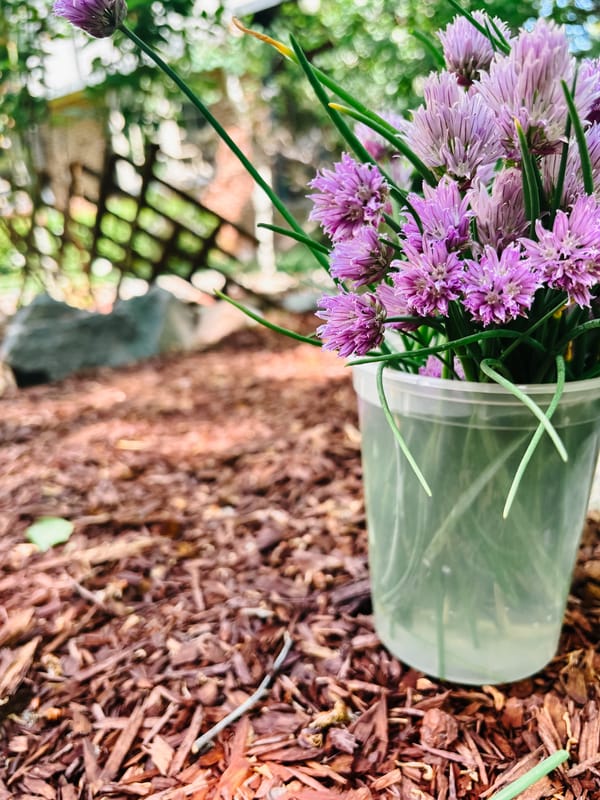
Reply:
x=217, y=502
x=14, y=666
x=122, y=745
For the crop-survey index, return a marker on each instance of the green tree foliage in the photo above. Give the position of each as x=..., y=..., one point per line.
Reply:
x=27, y=28
x=180, y=30
x=379, y=49
x=581, y=19
x=23, y=31
x=369, y=45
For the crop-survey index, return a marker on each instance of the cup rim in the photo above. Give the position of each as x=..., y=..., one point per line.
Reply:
x=472, y=387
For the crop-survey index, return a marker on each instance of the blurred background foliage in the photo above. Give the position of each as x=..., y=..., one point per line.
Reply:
x=368, y=45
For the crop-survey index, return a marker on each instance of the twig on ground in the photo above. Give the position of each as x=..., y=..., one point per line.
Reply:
x=206, y=738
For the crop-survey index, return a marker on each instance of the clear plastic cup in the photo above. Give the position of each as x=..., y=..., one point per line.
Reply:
x=459, y=592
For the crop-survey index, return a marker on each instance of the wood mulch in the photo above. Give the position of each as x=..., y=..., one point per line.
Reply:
x=217, y=505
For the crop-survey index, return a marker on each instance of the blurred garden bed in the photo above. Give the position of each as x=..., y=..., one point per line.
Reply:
x=217, y=505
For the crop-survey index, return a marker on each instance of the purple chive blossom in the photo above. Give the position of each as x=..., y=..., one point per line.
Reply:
x=589, y=72
x=99, y=18
x=353, y=323
x=568, y=256
x=573, y=182
x=458, y=139
x=433, y=368
x=444, y=217
x=468, y=52
x=526, y=86
x=498, y=289
x=363, y=259
x=395, y=306
x=376, y=145
x=500, y=215
x=427, y=281
x=441, y=89
x=348, y=197
x=401, y=172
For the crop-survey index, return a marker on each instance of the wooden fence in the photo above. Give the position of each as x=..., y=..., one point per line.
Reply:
x=152, y=228
x=132, y=218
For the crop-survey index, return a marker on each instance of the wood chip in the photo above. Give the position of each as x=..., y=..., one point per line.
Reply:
x=16, y=624
x=14, y=665
x=185, y=747
x=240, y=517
x=161, y=753
x=438, y=729
x=121, y=748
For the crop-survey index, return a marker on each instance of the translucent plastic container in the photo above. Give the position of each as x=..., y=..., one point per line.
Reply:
x=595, y=498
x=459, y=592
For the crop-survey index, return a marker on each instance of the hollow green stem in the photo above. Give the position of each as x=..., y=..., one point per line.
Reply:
x=498, y=44
x=531, y=195
x=584, y=154
x=271, y=325
x=488, y=370
x=348, y=135
x=575, y=333
x=451, y=345
x=391, y=137
x=396, y=431
x=429, y=321
x=298, y=237
x=345, y=131
x=535, y=439
x=523, y=337
x=531, y=776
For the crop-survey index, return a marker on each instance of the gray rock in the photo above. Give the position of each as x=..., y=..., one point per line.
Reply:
x=219, y=320
x=301, y=301
x=49, y=340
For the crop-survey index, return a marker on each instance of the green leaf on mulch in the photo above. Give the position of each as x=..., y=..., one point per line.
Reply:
x=49, y=531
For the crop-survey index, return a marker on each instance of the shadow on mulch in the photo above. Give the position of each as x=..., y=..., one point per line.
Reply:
x=217, y=504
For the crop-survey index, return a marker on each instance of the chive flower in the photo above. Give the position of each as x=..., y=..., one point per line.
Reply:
x=99, y=18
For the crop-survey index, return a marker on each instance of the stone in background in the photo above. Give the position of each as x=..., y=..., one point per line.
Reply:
x=48, y=339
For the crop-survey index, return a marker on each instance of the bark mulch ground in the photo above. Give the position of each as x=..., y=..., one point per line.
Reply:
x=217, y=505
